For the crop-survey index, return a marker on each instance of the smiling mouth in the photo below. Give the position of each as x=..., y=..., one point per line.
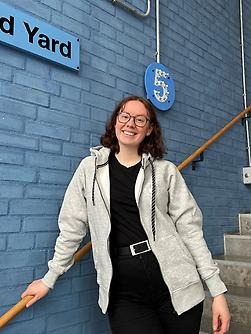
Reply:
x=129, y=133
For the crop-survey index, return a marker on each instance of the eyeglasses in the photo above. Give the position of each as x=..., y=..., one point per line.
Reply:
x=139, y=120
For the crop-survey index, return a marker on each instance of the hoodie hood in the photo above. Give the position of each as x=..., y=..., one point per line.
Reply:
x=102, y=153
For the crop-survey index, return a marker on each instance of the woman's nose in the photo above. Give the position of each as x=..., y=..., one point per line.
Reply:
x=131, y=122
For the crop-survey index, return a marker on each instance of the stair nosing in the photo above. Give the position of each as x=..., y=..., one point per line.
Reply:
x=234, y=262
x=231, y=294
x=238, y=236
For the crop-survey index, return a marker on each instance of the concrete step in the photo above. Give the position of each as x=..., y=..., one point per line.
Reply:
x=239, y=301
x=235, y=270
x=235, y=328
x=245, y=223
x=237, y=245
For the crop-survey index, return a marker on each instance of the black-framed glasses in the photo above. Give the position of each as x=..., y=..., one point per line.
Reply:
x=139, y=120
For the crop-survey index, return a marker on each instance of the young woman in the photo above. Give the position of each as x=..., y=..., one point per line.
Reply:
x=146, y=232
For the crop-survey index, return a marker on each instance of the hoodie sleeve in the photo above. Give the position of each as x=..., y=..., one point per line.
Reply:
x=73, y=227
x=188, y=219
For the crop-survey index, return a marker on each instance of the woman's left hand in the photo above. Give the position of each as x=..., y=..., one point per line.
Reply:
x=220, y=314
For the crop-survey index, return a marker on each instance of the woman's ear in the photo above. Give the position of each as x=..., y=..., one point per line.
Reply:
x=149, y=130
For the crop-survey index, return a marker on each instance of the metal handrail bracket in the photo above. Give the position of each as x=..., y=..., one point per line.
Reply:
x=194, y=162
x=133, y=9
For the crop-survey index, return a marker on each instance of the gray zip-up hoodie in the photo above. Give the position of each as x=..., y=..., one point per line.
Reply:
x=168, y=213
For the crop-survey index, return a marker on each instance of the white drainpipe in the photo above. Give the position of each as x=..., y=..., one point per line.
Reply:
x=157, y=33
x=244, y=82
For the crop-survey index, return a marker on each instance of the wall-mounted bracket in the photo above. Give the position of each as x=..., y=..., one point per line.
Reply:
x=133, y=9
x=197, y=161
x=244, y=119
x=247, y=175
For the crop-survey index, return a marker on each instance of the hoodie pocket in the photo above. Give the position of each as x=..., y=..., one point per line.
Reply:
x=177, y=265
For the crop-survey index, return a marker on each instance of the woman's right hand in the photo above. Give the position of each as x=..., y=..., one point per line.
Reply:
x=37, y=289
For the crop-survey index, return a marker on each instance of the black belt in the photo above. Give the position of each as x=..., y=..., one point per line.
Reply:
x=134, y=249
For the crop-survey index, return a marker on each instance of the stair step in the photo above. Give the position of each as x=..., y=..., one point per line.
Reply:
x=240, y=292
x=235, y=270
x=237, y=245
x=244, y=259
x=245, y=223
x=239, y=301
x=235, y=328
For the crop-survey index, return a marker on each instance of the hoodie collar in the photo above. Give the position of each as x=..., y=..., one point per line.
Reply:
x=102, y=153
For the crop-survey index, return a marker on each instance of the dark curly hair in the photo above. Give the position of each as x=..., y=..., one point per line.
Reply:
x=152, y=144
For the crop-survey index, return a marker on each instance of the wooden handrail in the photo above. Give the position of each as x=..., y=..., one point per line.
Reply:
x=21, y=305
x=211, y=140
x=15, y=310
x=9, y=315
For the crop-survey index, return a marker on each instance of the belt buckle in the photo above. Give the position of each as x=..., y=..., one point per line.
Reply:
x=133, y=252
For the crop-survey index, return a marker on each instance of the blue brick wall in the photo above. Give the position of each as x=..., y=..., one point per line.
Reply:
x=50, y=116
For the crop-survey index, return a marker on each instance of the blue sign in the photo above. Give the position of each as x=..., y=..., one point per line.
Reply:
x=37, y=37
x=159, y=86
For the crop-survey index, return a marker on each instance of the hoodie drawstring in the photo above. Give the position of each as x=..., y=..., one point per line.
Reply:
x=153, y=225
x=93, y=182
x=94, y=179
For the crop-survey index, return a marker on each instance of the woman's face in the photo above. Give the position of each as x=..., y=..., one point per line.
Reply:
x=129, y=134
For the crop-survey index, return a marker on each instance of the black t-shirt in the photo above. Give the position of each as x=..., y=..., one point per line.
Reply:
x=126, y=227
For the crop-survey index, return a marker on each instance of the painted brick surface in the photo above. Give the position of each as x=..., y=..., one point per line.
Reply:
x=50, y=116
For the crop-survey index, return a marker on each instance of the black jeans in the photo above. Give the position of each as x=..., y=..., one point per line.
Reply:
x=140, y=302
